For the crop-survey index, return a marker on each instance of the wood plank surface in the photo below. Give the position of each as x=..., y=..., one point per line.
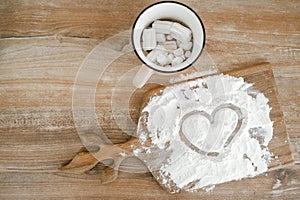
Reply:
x=42, y=45
x=279, y=184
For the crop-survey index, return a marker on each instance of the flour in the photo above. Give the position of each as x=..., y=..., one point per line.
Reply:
x=205, y=132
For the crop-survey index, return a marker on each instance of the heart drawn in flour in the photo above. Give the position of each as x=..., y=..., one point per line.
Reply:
x=209, y=134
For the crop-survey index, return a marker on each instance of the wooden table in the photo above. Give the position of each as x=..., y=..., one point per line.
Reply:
x=42, y=45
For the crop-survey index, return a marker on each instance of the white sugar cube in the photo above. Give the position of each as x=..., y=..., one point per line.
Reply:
x=162, y=26
x=162, y=59
x=180, y=32
x=149, y=39
x=161, y=50
x=170, y=57
x=152, y=56
x=176, y=61
x=187, y=54
x=178, y=52
x=186, y=45
x=169, y=45
x=160, y=37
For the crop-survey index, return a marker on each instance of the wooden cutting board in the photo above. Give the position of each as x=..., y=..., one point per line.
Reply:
x=260, y=75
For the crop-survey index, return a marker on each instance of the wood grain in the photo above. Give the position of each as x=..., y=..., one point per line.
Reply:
x=42, y=45
x=279, y=184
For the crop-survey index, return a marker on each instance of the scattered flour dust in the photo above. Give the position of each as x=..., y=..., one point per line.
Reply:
x=205, y=132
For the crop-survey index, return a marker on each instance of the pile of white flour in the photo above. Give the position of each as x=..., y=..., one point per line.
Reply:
x=233, y=142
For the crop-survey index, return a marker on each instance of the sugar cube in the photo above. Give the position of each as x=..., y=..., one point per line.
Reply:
x=149, y=39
